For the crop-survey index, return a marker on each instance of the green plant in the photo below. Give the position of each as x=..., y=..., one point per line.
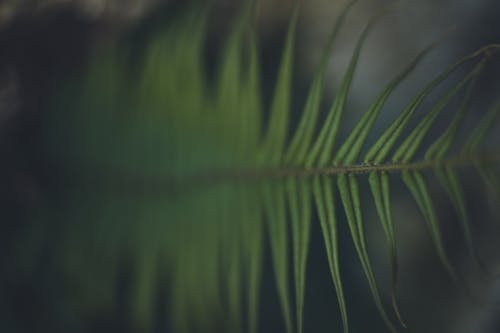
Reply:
x=185, y=176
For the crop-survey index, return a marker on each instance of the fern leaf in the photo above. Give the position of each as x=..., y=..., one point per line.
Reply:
x=299, y=195
x=251, y=100
x=278, y=233
x=321, y=150
x=449, y=179
x=212, y=184
x=382, y=147
x=252, y=238
x=276, y=134
x=408, y=148
x=440, y=146
x=379, y=185
x=325, y=199
x=418, y=188
x=479, y=133
x=349, y=193
x=302, y=138
x=350, y=149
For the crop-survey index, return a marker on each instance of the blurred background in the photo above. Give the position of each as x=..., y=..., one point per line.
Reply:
x=42, y=41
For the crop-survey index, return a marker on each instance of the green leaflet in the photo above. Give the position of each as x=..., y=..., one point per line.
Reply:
x=232, y=254
x=253, y=238
x=321, y=149
x=382, y=147
x=349, y=193
x=251, y=100
x=325, y=206
x=479, y=133
x=449, y=179
x=478, y=136
x=198, y=241
x=299, y=196
x=278, y=233
x=302, y=138
x=416, y=184
x=441, y=146
x=350, y=149
x=408, y=148
x=447, y=176
x=230, y=88
x=379, y=185
x=276, y=134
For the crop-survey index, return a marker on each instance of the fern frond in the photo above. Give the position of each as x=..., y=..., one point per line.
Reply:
x=186, y=177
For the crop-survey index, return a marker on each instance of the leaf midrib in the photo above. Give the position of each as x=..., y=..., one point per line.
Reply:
x=112, y=179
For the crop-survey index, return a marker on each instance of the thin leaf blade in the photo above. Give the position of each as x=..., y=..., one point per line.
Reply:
x=325, y=206
x=350, y=197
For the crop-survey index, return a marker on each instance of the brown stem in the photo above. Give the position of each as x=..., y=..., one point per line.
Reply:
x=109, y=180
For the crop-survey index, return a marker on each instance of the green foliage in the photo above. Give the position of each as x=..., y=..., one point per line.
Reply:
x=179, y=176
